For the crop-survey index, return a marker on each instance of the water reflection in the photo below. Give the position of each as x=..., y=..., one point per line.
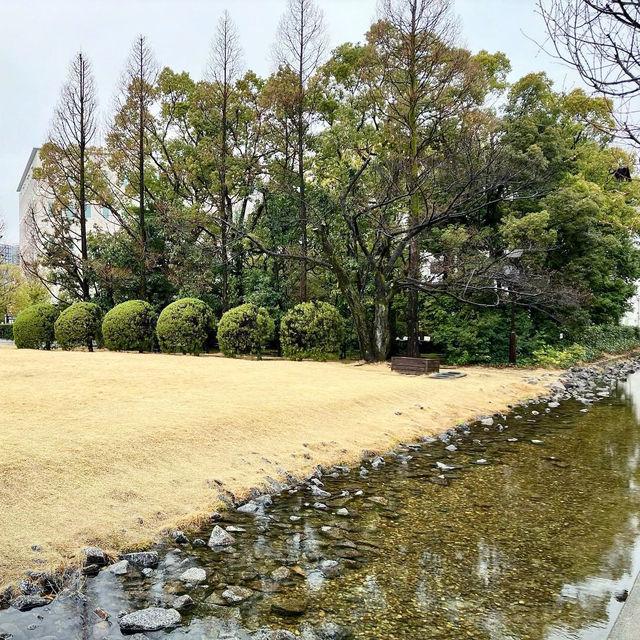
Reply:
x=532, y=545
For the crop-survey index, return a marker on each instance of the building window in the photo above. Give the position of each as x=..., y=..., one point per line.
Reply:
x=87, y=211
x=106, y=213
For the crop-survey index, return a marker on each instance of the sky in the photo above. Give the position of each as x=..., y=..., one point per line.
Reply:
x=38, y=38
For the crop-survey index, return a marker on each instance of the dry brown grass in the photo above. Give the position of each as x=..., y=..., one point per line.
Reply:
x=109, y=448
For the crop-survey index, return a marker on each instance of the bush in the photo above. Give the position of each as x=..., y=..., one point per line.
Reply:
x=130, y=326
x=558, y=357
x=6, y=332
x=601, y=339
x=79, y=326
x=245, y=330
x=312, y=330
x=34, y=326
x=186, y=326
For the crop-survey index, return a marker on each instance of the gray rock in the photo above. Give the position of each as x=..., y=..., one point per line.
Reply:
x=147, y=572
x=487, y=422
x=235, y=594
x=179, y=537
x=29, y=588
x=119, y=568
x=272, y=634
x=220, y=538
x=195, y=575
x=150, y=619
x=183, y=602
x=26, y=603
x=324, y=631
x=378, y=461
x=319, y=493
x=281, y=573
x=95, y=555
x=144, y=559
x=342, y=512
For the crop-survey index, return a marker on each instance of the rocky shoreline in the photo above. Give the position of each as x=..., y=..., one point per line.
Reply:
x=585, y=385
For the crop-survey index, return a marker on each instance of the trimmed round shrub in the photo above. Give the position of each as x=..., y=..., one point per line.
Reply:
x=245, y=330
x=185, y=326
x=312, y=330
x=79, y=326
x=34, y=326
x=130, y=326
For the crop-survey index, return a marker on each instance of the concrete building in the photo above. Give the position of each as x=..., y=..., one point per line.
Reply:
x=33, y=200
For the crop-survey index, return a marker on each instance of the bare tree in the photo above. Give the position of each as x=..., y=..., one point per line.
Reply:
x=600, y=39
x=224, y=68
x=421, y=65
x=60, y=231
x=300, y=45
x=129, y=146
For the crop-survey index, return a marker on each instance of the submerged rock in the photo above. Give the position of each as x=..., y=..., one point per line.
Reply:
x=272, y=634
x=150, y=619
x=292, y=607
x=235, y=594
x=195, y=575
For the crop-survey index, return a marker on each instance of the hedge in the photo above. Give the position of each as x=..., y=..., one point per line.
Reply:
x=186, y=326
x=79, y=326
x=130, y=326
x=245, y=330
x=6, y=331
x=312, y=330
x=34, y=326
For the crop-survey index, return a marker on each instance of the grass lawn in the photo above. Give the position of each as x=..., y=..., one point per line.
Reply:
x=110, y=448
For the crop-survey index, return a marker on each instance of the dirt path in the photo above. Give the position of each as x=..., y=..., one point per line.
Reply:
x=110, y=448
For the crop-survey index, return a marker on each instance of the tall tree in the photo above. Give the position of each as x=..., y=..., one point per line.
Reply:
x=60, y=225
x=128, y=148
x=224, y=67
x=421, y=69
x=300, y=44
x=599, y=38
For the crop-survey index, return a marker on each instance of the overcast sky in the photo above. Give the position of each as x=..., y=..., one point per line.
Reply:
x=38, y=38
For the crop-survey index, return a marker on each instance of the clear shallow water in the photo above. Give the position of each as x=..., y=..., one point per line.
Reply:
x=532, y=545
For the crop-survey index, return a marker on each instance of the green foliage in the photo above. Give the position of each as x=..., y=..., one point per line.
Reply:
x=6, y=332
x=473, y=335
x=79, y=326
x=559, y=357
x=312, y=330
x=245, y=330
x=130, y=326
x=602, y=339
x=186, y=326
x=34, y=326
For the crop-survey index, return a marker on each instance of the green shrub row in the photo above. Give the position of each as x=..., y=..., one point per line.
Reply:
x=310, y=330
x=6, y=331
x=593, y=343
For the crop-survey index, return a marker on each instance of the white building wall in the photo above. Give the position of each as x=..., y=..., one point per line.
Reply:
x=32, y=198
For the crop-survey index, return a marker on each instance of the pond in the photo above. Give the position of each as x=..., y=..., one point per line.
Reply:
x=525, y=529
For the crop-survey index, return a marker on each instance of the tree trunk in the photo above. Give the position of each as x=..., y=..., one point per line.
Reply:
x=142, y=220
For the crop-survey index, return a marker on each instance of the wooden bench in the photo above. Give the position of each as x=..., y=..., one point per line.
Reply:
x=415, y=366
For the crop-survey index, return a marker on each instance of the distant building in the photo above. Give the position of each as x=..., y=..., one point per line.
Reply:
x=10, y=254
x=32, y=199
